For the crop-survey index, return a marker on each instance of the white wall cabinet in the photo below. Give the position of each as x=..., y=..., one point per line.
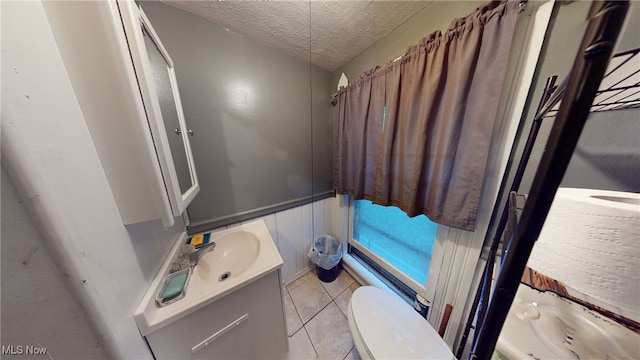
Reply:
x=127, y=90
x=246, y=324
x=159, y=90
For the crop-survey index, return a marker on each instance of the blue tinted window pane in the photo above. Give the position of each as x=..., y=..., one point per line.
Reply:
x=404, y=242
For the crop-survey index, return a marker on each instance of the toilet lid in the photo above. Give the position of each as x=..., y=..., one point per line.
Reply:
x=391, y=329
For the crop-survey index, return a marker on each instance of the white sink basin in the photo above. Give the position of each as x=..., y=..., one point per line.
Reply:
x=234, y=253
x=242, y=255
x=543, y=325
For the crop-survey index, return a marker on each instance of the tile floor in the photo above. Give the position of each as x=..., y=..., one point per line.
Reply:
x=316, y=314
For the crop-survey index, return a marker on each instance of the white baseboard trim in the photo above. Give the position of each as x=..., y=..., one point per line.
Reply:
x=297, y=275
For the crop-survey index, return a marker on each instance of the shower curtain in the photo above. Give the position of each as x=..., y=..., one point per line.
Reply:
x=415, y=133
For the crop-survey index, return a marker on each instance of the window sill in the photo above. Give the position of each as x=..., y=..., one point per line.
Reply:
x=364, y=276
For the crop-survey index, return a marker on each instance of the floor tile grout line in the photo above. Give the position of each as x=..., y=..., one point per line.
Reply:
x=297, y=313
x=313, y=277
x=295, y=332
x=311, y=341
x=304, y=326
x=349, y=352
x=345, y=315
x=319, y=311
x=343, y=290
x=332, y=300
x=294, y=305
x=338, y=295
x=316, y=314
x=309, y=274
x=300, y=316
x=293, y=282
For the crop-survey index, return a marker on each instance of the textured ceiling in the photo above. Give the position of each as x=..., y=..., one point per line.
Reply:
x=326, y=33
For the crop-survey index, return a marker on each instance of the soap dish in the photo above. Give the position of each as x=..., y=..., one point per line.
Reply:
x=174, y=287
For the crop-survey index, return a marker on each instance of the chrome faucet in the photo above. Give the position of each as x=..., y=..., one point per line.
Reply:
x=199, y=253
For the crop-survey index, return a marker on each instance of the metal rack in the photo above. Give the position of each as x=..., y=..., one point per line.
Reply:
x=551, y=95
x=577, y=94
x=620, y=87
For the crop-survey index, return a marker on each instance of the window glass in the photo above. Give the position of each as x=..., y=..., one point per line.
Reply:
x=404, y=242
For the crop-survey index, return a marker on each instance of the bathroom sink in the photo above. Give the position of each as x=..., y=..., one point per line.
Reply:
x=234, y=253
x=242, y=255
x=543, y=325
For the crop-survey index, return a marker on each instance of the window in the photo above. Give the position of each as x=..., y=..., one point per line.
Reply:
x=398, y=243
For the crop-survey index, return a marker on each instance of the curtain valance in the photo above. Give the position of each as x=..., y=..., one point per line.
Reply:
x=415, y=133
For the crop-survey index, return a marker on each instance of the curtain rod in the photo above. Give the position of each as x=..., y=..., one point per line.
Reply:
x=334, y=97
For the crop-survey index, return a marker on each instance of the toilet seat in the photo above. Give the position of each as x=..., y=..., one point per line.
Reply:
x=385, y=327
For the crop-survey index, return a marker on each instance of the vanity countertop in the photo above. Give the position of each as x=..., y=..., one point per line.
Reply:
x=204, y=289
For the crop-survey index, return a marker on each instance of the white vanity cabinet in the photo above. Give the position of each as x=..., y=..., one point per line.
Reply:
x=127, y=90
x=245, y=324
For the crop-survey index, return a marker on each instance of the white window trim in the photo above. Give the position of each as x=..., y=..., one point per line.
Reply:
x=407, y=280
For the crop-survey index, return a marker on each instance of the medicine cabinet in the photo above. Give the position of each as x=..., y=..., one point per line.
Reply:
x=126, y=87
x=159, y=90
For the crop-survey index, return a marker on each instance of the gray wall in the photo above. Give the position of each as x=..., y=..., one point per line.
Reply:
x=38, y=307
x=250, y=107
x=630, y=37
x=608, y=153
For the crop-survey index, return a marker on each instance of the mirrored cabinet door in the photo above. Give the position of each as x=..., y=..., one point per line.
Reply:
x=161, y=71
x=161, y=98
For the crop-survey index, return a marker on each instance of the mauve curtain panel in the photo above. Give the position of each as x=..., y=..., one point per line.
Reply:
x=415, y=133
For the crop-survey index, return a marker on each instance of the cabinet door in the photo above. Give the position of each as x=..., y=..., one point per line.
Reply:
x=159, y=91
x=248, y=323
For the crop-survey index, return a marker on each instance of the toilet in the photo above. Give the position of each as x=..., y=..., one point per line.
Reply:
x=385, y=327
